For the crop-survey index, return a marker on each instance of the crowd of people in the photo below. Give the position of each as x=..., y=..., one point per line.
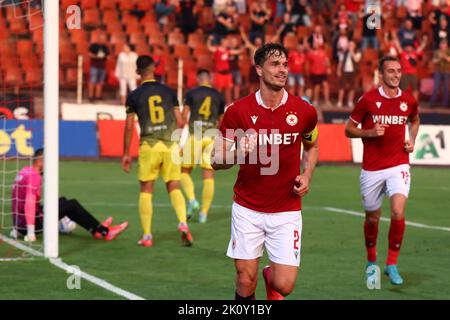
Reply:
x=333, y=47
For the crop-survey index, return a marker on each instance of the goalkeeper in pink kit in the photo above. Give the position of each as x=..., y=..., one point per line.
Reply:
x=28, y=214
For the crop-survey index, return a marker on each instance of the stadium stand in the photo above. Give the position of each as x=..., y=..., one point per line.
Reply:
x=138, y=23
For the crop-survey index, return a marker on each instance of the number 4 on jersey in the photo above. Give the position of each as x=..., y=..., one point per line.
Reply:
x=205, y=108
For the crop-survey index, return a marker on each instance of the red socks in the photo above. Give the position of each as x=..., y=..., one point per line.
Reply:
x=370, y=234
x=396, y=232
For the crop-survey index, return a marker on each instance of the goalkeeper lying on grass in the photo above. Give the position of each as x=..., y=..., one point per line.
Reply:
x=28, y=214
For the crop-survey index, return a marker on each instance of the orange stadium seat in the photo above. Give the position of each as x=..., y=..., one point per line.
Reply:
x=108, y=4
x=181, y=51
x=151, y=28
x=88, y=4
x=34, y=76
x=172, y=78
x=67, y=3
x=36, y=20
x=200, y=49
x=156, y=39
x=13, y=76
x=91, y=17
x=175, y=38
x=71, y=77
x=24, y=47
x=127, y=5
x=195, y=39
x=18, y=26
x=136, y=38
x=145, y=5
x=290, y=41
x=110, y=16
x=204, y=61
x=114, y=27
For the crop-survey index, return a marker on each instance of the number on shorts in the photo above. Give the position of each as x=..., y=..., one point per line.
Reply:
x=405, y=176
x=156, y=109
x=296, y=239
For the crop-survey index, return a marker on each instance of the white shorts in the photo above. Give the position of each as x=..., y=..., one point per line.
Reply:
x=375, y=184
x=280, y=233
x=123, y=83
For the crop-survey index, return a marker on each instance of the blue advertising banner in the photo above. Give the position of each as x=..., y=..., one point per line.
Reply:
x=22, y=138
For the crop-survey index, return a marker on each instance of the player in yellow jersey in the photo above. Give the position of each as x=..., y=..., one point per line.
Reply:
x=205, y=106
x=157, y=109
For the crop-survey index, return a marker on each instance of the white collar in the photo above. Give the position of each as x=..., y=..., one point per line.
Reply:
x=383, y=94
x=260, y=101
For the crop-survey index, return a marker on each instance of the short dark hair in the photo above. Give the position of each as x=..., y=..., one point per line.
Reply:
x=268, y=50
x=144, y=62
x=38, y=153
x=202, y=71
x=384, y=59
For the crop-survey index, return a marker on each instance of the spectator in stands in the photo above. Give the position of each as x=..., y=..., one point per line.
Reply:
x=390, y=44
x=342, y=17
x=259, y=16
x=407, y=35
x=441, y=60
x=126, y=71
x=296, y=62
x=371, y=22
x=409, y=60
x=223, y=79
x=341, y=44
x=226, y=23
x=414, y=8
x=98, y=52
x=288, y=26
x=441, y=32
x=280, y=9
x=319, y=67
x=235, y=52
x=301, y=13
x=163, y=9
x=316, y=39
x=347, y=72
x=442, y=10
x=160, y=63
x=188, y=17
x=354, y=9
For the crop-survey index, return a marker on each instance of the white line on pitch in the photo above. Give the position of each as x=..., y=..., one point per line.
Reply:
x=60, y=264
x=359, y=214
x=330, y=209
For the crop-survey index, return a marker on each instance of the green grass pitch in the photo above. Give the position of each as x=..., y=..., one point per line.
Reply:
x=333, y=255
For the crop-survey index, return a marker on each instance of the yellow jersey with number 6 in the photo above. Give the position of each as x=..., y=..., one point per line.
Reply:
x=154, y=105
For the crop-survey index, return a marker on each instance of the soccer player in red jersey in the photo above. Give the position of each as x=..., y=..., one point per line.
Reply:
x=263, y=132
x=384, y=114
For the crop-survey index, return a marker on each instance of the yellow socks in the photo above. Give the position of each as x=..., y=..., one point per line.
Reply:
x=208, y=194
x=177, y=199
x=188, y=186
x=146, y=211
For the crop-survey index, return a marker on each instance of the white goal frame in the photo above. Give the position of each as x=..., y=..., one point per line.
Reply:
x=51, y=127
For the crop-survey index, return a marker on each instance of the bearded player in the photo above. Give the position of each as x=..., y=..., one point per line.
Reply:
x=384, y=114
x=263, y=132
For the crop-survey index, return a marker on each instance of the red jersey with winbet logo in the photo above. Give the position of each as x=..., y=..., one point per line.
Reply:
x=279, y=133
x=222, y=60
x=376, y=107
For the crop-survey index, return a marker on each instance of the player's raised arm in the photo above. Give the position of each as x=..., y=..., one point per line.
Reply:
x=352, y=130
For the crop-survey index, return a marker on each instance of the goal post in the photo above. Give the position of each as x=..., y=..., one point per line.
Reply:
x=51, y=127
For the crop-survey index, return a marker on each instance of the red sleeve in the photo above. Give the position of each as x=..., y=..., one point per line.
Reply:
x=414, y=109
x=359, y=111
x=229, y=123
x=312, y=121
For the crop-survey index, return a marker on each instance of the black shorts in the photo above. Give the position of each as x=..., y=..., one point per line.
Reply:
x=317, y=79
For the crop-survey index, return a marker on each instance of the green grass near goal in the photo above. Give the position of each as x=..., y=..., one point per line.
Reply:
x=333, y=255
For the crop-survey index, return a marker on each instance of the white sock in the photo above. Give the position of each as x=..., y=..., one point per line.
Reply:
x=30, y=229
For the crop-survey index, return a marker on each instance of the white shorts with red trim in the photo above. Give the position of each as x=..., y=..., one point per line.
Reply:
x=280, y=233
x=390, y=181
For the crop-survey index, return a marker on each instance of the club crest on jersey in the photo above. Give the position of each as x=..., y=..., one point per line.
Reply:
x=291, y=118
x=403, y=106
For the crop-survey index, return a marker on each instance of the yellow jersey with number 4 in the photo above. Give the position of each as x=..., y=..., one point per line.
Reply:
x=206, y=105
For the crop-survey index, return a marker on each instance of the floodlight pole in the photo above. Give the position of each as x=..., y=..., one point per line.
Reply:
x=51, y=127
